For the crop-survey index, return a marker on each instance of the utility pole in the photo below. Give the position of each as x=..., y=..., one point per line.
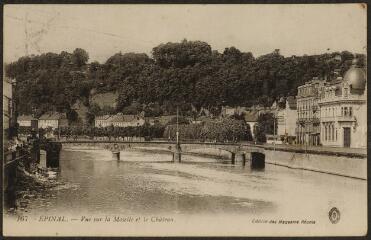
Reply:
x=274, y=124
x=177, y=126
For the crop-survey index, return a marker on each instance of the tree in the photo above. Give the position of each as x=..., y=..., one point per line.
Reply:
x=181, y=120
x=265, y=126
x=183, y=54
x=80, y=57
x=186, y=73
x=221, y=131
x=72, y=116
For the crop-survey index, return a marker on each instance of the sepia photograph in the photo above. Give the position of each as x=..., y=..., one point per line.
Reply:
x=184, y=120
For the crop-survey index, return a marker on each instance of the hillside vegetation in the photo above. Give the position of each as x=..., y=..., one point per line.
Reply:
x=188, y=74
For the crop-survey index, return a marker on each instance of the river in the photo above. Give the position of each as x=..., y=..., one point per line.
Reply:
x=149, y=184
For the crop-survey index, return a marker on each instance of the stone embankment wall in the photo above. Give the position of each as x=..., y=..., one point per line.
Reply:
x=349, y=165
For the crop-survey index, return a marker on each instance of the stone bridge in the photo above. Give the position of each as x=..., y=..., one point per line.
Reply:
x=244, y=151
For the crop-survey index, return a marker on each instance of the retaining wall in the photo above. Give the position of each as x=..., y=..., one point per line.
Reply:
x=348, y=166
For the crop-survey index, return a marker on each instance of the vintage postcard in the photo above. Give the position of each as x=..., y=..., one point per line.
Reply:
x=185, y=120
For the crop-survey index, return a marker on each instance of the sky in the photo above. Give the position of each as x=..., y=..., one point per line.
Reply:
x=103, y=30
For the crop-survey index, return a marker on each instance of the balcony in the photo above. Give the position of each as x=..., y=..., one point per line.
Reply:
x=338, y=118
x=314, y=120
x=346, y=119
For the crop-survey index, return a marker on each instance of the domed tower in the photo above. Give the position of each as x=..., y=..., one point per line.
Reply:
x=356, y=78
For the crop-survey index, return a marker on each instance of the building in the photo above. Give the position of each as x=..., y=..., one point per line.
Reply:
x=286, y=120
x=102, y=121
x=53, y=120
x=308, y=112
x=163, y=120
x=8, y=108
x=119, y=120
x=228, y=111
x=205, y=112
x=251, y=119
x=201, y=119
x=126, y=120
x=27, y=121
x=343, y=107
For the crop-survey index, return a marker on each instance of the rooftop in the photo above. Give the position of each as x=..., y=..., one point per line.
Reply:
x=25, y=118
x=53, y=116
x=102, y=117
x=124, y=118
x=291, y=100
x=119, y=117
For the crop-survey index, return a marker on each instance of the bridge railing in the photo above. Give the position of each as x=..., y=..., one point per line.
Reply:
x=13, y=157
x=156, y=140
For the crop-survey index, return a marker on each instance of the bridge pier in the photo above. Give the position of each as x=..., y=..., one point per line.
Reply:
x=257, y=160
x=52, y=157
x=243, y=158
x=48, y=154
x=233, y=158
x=43, y=157
x=238, y=159
x=177, y=154
x=116, y=152
x=116, y=155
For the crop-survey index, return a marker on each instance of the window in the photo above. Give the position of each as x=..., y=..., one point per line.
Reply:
x=345, y=111
x=350, y=111
x=332, y=133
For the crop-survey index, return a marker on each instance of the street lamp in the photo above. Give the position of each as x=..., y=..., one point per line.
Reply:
x=139, y=132
x=302, y=124
x=274, y=129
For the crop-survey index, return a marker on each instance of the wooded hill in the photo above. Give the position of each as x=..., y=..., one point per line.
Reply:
x=188, y=73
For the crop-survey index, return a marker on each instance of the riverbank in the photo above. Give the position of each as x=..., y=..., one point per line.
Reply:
x=29, y=187
x=330, y=151
x=341, y=163
x=346, y=165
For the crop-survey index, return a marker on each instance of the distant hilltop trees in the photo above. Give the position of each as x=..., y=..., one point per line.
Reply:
x=188, y=74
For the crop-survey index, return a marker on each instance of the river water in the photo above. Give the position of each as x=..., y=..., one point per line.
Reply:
x=148, y=183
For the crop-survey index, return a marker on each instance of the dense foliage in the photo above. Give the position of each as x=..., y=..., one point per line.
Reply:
x=267, y=125
x=146, y=130
x=186, y=74
x=221, y=131
x=151, y=131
